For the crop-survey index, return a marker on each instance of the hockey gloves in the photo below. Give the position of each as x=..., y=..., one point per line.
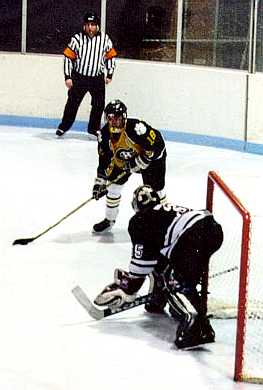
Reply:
x=159, y=300
x=122, y=291
x=138, y=163
x=99, y=188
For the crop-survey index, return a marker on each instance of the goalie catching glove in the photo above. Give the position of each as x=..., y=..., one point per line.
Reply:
x=122, y=290
x=99, y=188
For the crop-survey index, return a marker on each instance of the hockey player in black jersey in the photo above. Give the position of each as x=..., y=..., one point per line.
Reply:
x=125, y=146
x=174, y=245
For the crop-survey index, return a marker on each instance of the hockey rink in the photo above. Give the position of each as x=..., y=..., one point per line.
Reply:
x=47, y=340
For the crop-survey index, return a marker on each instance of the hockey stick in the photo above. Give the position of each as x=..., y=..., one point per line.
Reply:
x=98, y=314
x=25, y=241
x=226, y=271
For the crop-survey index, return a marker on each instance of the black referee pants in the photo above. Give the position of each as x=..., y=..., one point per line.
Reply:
x=81, y=85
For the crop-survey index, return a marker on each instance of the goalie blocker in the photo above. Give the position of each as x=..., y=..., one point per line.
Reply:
x=173, y=244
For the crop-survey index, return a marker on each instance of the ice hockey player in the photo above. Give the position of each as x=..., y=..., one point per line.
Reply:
x=126, y=145
x=174, y=245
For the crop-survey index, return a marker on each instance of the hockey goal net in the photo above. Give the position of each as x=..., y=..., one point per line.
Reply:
x=235, y=275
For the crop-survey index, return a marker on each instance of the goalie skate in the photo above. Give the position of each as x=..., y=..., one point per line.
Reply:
x=194, y=332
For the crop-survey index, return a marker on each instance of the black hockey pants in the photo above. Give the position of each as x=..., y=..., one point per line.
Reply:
x=189, y=261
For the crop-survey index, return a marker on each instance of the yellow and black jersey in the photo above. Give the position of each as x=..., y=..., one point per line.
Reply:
x=136, y=139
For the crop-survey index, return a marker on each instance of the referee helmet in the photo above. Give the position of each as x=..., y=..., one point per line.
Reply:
x=92, y=17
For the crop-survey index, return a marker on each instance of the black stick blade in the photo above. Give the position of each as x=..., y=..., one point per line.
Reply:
x=23, y=241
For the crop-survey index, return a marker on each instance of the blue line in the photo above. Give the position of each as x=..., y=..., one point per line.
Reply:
x=169, y=135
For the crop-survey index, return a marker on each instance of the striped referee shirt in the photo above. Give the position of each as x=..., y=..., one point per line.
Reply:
x=89, y=56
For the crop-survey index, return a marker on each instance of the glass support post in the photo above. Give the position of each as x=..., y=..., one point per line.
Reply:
x=103, y=14
x=179, y=31
x=24, y=26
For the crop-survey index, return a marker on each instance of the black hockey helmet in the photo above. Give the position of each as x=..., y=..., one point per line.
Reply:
x=144, y=197
x=116, y=108
x=116, y=112
x=91, y=16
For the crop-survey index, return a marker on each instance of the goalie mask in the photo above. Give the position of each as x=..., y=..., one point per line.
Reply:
x=144, y=197
x=116, y=115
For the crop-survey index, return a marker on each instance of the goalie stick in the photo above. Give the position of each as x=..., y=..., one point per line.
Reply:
x=98, y=314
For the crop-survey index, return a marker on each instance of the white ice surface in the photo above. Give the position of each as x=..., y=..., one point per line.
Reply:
x=47, y=340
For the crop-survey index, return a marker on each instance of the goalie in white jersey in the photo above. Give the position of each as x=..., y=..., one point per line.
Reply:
x=174, y=245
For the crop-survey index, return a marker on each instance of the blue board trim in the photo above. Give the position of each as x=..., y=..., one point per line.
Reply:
x=169, y=135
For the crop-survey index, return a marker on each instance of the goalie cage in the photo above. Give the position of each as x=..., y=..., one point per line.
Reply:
x=234, y=280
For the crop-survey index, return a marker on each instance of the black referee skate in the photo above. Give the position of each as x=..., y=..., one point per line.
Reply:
x=103, y=226
x=60, y=132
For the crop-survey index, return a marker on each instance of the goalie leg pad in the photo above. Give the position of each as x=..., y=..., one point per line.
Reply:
x=194, y=329
x=180, y=307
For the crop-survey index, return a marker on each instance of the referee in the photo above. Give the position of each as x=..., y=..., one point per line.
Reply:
x=89, y=62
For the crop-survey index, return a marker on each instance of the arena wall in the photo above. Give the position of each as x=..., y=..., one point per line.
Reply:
x=188, y=103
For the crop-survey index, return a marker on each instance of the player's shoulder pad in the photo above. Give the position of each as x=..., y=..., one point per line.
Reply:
x=103, y=137
x=141, y=222
x=105, y=131
x=136, y=223
x=132, y=222
x=137, y=128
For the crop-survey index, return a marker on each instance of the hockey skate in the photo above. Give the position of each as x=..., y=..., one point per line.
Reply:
x=60, y=132
x=103, y=226
x=193, y=332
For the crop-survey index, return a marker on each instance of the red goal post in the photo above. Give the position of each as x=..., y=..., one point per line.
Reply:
x=215, y=180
